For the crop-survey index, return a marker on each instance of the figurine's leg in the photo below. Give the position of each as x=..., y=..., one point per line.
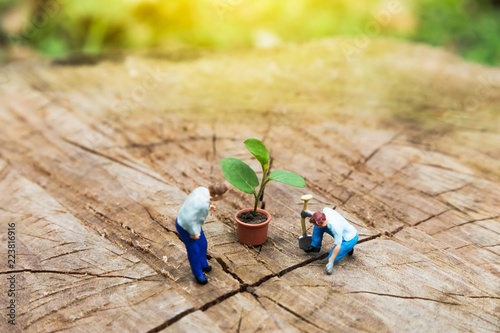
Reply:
x=193, y=252
x=195, y=258
x=345, y=248
x=317, y=237
x=203, y=250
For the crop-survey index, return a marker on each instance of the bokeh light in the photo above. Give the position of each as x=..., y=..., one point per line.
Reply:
x=60, y=27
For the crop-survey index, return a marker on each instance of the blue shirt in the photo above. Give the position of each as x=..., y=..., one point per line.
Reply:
x=194, y=211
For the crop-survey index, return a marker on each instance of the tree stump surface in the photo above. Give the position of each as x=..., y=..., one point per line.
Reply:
x=96, y=159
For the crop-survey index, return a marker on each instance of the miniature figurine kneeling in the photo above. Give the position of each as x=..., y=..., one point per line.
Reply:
x=344, y=234
x=188, y=223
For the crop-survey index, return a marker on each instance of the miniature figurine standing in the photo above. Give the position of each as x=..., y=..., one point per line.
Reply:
x=344, y=234
x=188, y=223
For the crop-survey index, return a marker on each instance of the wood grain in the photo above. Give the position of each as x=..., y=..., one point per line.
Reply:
x=95, y=162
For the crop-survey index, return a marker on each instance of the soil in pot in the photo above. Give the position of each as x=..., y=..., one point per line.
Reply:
x=251, y=218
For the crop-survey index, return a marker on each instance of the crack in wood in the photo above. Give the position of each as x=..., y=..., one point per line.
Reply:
x=468, y=222
x=89, y=314
x=398, y=229
x=452, y=190
x=370, y=238
x=4, y=172
x=467, y=245
x=144, y=253
x=117, y=223
x=294, y=313
x=170, y=140
x=431, y=217
x=238, y=329
x=453, y=207
x=479, y=246
x=260, y=250
x=356, y=165
x=348, y=198
x=44, y=238
x=36, y=271
x=400, y=264
x=437, y=166
x=172, y=320
x=115, y=160
x=257, y=298
x=311, y=286
x=73, y=301
x=204, y=307
x=403, y=297
x=226, y=269
x=161, y=225
x=321, y=190
x=242, y=288
x=63, y=254
x=348, y=174
x=469, y=296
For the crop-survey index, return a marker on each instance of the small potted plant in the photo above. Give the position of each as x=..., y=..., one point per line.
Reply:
x=252, y=222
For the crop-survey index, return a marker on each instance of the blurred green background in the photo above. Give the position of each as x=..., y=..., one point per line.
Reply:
x=57, y=28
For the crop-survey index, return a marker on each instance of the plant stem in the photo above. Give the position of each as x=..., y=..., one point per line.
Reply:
x=257, y=197
x=261, y=199
x=265, y=180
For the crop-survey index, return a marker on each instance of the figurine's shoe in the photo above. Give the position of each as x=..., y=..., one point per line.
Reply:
x=312, y=249
x=351, y=252
x=206, y=269
x=201, y=281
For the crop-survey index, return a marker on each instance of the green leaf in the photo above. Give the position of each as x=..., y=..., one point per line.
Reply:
x=240, y=175
x=288, y=177
x=258, y=150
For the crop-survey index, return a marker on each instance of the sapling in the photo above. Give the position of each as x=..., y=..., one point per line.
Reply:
x=244, y=178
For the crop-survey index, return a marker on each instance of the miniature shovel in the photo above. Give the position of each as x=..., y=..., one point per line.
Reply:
x=305, y=240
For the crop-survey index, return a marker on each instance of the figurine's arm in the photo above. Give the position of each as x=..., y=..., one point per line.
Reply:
x=337, y=241
x=199, y=219
x=335, y=252
x=195, y=231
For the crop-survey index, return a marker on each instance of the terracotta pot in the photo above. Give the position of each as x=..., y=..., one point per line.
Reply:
x=252, y=234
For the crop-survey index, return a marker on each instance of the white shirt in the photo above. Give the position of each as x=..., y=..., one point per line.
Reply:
x=338, y=225
x=194, y=211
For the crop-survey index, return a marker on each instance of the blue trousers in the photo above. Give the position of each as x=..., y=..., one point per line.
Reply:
x=196, y=251
x=345, y=247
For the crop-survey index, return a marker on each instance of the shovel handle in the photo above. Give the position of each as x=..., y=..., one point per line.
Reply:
x=306, y=199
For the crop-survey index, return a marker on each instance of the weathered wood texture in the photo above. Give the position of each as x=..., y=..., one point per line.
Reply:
x=96, y=161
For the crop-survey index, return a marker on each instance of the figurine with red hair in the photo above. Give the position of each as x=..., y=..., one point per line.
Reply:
x=344, y=234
